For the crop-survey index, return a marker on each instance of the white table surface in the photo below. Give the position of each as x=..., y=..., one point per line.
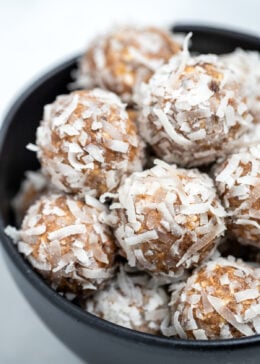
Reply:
x=34, y=36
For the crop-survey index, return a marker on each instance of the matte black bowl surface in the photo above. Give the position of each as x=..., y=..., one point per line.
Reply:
x=94, y=340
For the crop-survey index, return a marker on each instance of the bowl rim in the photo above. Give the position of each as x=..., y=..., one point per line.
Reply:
x=61, y=302
x=206, y=29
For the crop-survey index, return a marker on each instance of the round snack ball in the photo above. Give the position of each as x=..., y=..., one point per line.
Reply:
x=167, y=219
x=123, y=58
x=130, y=301
x=191, y=111
x=237, y=179
x=32, y=187
x=87, y=143
x=246, y=65
x=219, y=301
x=64, y=240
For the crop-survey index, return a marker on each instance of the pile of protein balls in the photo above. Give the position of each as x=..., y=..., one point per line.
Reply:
x=118, y=220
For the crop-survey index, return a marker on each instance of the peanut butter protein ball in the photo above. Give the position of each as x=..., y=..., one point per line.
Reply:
x=131, y=302
x=219, y=301
x=123, y=58
x=167, y=219
x=63, y=239
x=87, y=143
x=191, y=110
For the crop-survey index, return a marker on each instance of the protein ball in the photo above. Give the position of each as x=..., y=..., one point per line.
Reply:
x=87, y=143
x=237, y=180
x=219, y=301
x=63, y=239
x=167, y=219
x=123, y=58
x=246, y=65
x=191, y=111
x=130, y=301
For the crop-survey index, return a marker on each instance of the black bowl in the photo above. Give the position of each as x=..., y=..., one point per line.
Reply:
x=93, y=339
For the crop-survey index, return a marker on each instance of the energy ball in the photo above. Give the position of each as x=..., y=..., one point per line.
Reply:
x=167, y=219
x=87, y=143
x=237, y=179
x=131, y=302
x=33, y=187
x=123, y=58
x=191, y=111
x=221, y=300
x=246, y=65
x=63, y=239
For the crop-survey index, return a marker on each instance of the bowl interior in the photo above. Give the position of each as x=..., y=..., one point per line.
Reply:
x=20, y=125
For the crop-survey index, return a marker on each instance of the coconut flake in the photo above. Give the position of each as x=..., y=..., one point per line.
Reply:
x=181, y=333
x=247, y=294
x=98, y=273
x=68, y=110
x=24, y=248
x=142, y=238
x=176, y=137
x=96, y=152
x=37, y=230
x=200, y=334
x=13, y=233
x=93, y=202
x=67, y=231
x=32, y=147
x=118, y=146
x=222, y=310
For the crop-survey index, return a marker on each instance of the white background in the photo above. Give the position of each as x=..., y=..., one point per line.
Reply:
x=34, y=36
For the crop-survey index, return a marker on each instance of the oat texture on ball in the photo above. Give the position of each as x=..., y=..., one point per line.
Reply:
x=221, y=300
x=238, y=183
x=87, y=143
x=167, y=219
x=131, y=301
x=191, y=110
x=123, y=58
x=63, y=239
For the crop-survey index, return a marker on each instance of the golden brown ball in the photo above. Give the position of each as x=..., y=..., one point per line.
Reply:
x=219, y=301
x=65, y=241
x=167, y=219
x=87, y=143
x=125, y=57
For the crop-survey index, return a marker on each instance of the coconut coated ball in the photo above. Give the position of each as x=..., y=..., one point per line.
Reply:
x=219, y=301
x=63, y=239
x=191, y=111
x=237, y=180
x=87, y=143
x=167, y=219
x=131, y=301
x=121, y=59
